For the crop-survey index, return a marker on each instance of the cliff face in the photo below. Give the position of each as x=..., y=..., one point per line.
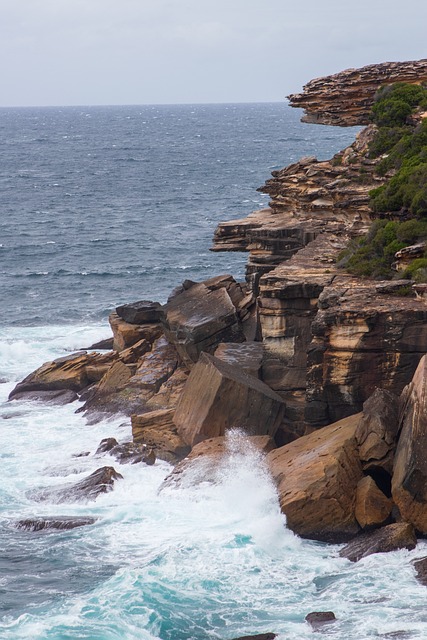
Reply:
x=329, y=338
x=345, y=98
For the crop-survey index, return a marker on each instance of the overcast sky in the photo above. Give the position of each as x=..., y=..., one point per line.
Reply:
x=84, y=52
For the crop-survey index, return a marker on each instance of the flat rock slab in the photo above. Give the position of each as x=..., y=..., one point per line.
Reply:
x=199, y=319
x=316, y=477
x=58, y=522
x=218, y=397
x=73, y=373
x=400, y=535
x=141, y=312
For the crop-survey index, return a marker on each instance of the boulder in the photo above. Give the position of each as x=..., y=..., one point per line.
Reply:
x=106, y=445
x=400, y=535
x=100, y=481
x=57, y=522
x=199, y=319
x=245, y=355
x=376, y=433
x=157, y=431
x=316, y=477
x=141, y=312
x=157, y=366
x=409, y=483
x=218, y=396
x=73, y=372
x=127, y=334
x=373, y=508
x=135, y=352
x=106, y=344
x=131, y=453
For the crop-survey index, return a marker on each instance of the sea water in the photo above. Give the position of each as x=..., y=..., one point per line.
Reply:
x=101, y=206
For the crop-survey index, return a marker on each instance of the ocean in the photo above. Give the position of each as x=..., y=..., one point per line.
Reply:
x=106, y=205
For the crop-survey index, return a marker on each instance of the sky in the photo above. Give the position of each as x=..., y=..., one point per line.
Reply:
x=94, y=52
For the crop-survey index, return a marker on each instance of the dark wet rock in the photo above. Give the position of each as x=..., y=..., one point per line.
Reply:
x=421, y=570
x=400, y=535
x=82, y=454
x=57, y=522
x=100, y=481
x=106, y=345
x=319, y=618
x=106, y=445
x=262, y=636
x=48, y=397
x=141, y=312
x=133, y=453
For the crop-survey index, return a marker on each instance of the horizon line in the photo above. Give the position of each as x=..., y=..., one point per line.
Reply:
x=285, y=101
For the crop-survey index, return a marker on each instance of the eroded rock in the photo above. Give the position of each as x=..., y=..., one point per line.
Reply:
x=127, y=334
x=373, y=508
x=157, y=431
x=141, y=312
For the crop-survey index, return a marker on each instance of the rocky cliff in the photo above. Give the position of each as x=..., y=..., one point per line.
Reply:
x=346, y=98
x=330, y=338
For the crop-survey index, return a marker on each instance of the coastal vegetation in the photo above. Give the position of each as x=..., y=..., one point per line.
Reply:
x=400, y=144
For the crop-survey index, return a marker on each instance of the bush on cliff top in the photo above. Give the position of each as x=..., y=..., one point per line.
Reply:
x=404, y=146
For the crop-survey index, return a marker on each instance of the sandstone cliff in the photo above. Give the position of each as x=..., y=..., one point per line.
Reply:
x=330, y=339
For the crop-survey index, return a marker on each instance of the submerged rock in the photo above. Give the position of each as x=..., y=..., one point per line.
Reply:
x=56, y=522
x=421, y=570
x=100, y=481
x=262, y=636
x=400, y=535
x=48, y=397
x=317, y=619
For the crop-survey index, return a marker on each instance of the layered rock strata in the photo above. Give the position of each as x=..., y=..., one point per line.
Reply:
x=345, y=99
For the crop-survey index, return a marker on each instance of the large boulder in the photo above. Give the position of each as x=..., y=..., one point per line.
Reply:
x=218, y=396
x=409, y=484
x=316, y=477
x=200, y=318
x=74, y=372
x=400, y=535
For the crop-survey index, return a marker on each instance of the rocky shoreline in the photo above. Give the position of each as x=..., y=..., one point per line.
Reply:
x=326, y=373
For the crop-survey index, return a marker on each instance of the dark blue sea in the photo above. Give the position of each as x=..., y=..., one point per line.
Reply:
x=105, y=205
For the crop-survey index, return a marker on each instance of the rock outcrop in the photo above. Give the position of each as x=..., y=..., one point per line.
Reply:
x=157, y=430
x=345, y=99
x=100, y=481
